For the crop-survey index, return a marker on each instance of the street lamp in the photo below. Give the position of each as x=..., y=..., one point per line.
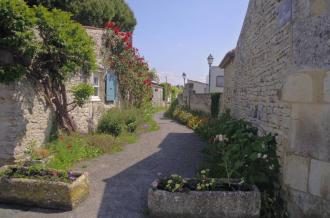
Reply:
x=210, y=61
x=184, y=76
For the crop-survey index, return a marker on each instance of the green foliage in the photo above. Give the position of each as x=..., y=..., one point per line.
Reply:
x=174, y=183
x=205, y=182
x=236, y=150
x=106, y=143
x=66, y=47
x=171, y=109
x=166, y=90
x=69, y=150
x=192, y=119
x=94, y=12
x=46, y=47
x=16, y=39
x=115, y=121
x=175, y=90
x=81, y=93
x=215, y=103
x=134, y=76
x=110, y=125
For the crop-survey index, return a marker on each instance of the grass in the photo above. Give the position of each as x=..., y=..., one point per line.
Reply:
x=67, y=150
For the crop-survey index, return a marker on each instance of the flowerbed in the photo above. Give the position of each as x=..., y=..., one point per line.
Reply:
x=38, y=173
x=42, y=187
x=203, y=197
x=236, y=150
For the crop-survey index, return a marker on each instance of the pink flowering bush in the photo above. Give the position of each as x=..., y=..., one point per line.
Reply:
x=132, y=70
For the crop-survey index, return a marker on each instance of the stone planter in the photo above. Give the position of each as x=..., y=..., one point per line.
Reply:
x=45, y=194
x=206, y=204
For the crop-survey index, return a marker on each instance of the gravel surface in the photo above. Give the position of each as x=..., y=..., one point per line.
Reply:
x=119, y=182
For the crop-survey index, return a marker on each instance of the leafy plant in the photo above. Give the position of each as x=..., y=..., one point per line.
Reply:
x=174, y=183
x=205, y=183
x=46, y=47
x=94, y=12
x=68, y=150
x=37, y=172
x=236, y=150
x=134, y=75
x=81, y=93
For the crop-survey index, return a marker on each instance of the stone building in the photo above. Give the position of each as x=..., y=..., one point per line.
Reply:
x=216, y=79
x=157, y=95
x=25, y=119
x=278, y=78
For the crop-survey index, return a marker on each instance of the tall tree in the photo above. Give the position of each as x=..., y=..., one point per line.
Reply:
x=94, y=12
x=47, y=48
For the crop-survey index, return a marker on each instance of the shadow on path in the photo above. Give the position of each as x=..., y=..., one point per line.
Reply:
x=125, y=194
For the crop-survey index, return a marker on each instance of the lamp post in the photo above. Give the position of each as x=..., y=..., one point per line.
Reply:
x=210, y=61
x=184, y=76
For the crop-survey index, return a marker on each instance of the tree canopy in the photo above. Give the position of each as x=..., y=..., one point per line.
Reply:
x=94, y=12
x=47, y=48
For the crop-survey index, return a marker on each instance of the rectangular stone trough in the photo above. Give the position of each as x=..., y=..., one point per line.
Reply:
x=206, y=204
x=44, y=194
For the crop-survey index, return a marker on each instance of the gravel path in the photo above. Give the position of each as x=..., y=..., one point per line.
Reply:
x=119, y=182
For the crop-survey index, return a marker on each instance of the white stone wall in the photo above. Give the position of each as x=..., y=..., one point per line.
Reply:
x=24, y=120
x=279, y=81
x=198, y=87
x=215, y=72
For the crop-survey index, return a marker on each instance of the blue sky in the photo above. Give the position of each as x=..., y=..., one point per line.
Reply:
x=176, y=36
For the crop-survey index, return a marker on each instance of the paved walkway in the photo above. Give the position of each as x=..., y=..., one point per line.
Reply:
x=119, y=182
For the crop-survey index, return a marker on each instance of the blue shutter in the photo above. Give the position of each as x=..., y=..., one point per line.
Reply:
x=111, y=87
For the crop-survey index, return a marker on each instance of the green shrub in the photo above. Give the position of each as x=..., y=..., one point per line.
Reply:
x=110, y=125
x=171, y=109
x=115, y=121
x=235, y=150
x=81, y=93
x=174, y=183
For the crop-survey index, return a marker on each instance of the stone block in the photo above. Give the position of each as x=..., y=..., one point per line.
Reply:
x=284, y=12
x=296, y=172
x=309, y=131
x=300, y=9
x=320, y=7
x=319, y=179
x=298, y=88
x=311, y=47
x=305, y=205
x=326, y=88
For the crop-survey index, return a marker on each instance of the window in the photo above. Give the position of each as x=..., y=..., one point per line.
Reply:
x=220, y=81
x=96, y=86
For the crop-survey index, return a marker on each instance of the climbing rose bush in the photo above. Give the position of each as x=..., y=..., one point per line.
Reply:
x=133, y=72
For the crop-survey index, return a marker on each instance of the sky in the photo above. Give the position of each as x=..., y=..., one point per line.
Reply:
x=176, y=36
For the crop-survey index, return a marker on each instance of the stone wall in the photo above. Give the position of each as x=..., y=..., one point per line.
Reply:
x=279, y=81
x=25, y=119
x=200, y=102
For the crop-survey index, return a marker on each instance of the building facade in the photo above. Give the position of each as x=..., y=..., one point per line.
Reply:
x=26, y=120
x=157, y=95
x=216, y=79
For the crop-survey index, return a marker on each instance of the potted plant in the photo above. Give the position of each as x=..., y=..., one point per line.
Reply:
x=41, y=187
x=204, y=197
